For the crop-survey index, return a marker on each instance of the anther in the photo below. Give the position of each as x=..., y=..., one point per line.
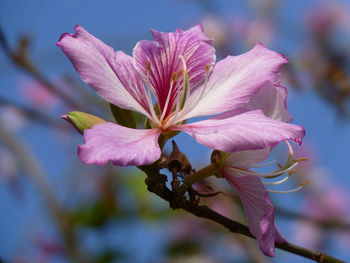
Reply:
x=207, y=68
x=148, y=68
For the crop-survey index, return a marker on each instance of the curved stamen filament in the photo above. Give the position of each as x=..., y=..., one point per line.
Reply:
x=289, y=191
x=185, y=89
x=174, y=79
x=195, y=99
x=277, y=182
x=150, y=103
x=269, y=175
x=261, y=165
x=182, y=94
x=149, y=96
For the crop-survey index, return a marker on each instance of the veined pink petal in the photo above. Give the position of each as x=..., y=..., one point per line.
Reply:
x=244, y=158
x=111, y=74
x=259, y=210
x=158, y=60
x=123, y=146
x=247, y=131
x=234, y=81
x=271, y=99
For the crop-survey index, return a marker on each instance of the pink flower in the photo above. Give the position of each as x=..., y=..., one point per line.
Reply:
x=177, y=71
x=247, y=183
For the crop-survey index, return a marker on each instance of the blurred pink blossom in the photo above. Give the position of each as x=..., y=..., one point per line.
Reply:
x=13, y=118
x=8, y=166
x=36, y=93
x=252, y=31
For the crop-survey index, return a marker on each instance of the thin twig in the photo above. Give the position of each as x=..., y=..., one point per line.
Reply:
x=33, y=114
x=325, y=223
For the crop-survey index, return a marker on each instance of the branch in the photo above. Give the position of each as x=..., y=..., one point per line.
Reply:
x=156, y=183
x=20, y=58
x=325, y=223
x=33, y=114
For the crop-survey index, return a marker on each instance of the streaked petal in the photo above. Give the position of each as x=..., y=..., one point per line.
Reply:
x=111, y=74
x=245, y=158
x=234, y=81
x=247, y=131
x=271, y=99
x=259, y=210
x=161, y=58
x=123, y=146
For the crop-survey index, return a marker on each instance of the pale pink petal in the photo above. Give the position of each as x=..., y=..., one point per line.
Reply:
x=234, y=81
x=259, y=210
x=158, y=60
x=110, y=73
x=247, y=131
x=271, y=99
x=123, y=146
x=244, y=158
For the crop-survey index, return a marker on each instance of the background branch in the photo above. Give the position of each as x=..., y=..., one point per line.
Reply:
x=325, y=223
x=20, y=58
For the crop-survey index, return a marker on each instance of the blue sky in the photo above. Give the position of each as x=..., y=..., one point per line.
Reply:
x=121, y=24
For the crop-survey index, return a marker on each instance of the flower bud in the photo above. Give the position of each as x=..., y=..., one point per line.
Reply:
x=82, y=120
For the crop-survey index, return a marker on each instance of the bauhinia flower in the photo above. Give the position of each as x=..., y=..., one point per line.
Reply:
x=170, y=80
x=236, y=168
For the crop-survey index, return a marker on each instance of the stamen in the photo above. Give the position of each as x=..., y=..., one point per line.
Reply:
x=174, y=78
x=182, y=94
x=148, y=68
x=150, y=103
x=185, y=93
x=277, y=182
x=291, y=153
x=261, y=165
x=207, y=68
x=198, y=97
x=290, y=191
x=268, y=175
x=149, y=95
x=292, y=172
x=301, y=159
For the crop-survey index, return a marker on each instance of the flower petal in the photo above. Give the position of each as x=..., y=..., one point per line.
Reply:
x=110, y=73
x=247, y=131
x=123, y=146
x=271, y=99
x=234, y=81
x=259, y=210
x=245, y=158
x=160, y=59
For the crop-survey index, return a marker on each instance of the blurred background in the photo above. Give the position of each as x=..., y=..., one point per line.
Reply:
x=55, y=209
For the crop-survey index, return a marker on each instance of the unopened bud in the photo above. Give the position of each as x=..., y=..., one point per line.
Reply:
x=82, y=120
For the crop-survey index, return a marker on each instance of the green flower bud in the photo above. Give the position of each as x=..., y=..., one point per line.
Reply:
x=82, y=120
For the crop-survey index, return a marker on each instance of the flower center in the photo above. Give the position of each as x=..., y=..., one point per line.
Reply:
x=170, y=111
